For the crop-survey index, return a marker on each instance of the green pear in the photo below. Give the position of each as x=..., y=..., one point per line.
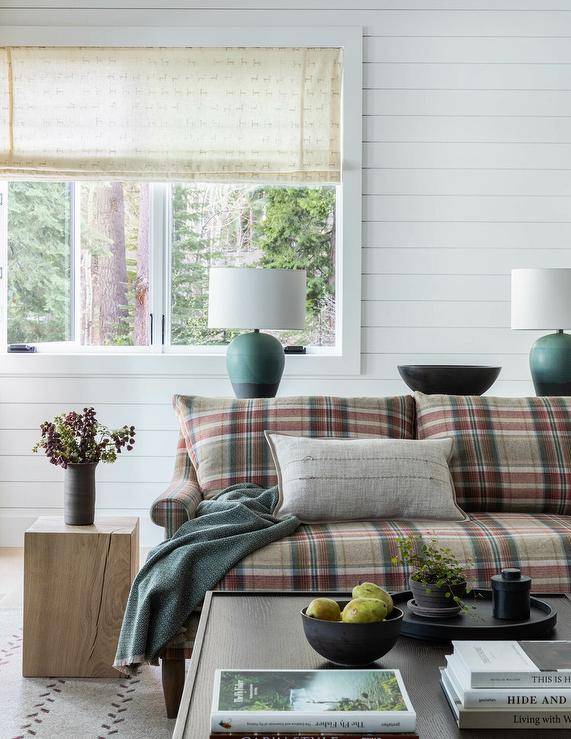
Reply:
x=325, y=609
x=370, y=590
x=364, y=611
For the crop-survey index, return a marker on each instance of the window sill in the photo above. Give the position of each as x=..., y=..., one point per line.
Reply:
x=183, y=363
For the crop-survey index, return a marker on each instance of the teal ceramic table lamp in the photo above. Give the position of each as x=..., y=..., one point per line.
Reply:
x=541, y=299
x=242, y=297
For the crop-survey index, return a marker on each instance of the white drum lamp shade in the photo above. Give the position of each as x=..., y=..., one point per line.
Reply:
x=541, y=298
x=256, y=298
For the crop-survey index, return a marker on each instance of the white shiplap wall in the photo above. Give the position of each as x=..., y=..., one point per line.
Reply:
x=467, y=163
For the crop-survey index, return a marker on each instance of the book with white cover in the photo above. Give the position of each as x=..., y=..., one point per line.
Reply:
x=507, y=698
x=346, y=701
x=482, y=718
x=526, y=664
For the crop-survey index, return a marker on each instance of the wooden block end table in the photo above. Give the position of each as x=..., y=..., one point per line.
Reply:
x=76, y=585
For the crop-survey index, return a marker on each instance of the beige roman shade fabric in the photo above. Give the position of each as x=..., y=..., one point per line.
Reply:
x=218, y=114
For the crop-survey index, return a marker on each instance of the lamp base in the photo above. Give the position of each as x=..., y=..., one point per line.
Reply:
x=255, y=364
x=550, y=364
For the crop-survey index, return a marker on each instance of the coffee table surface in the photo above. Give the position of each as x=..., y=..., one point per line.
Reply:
x=264, y=630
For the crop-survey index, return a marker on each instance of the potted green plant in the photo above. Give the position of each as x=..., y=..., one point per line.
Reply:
x=78, y=442
x=438, y=579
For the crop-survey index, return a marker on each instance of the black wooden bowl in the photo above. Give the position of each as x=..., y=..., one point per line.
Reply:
x=449, y=379
x=352, y=645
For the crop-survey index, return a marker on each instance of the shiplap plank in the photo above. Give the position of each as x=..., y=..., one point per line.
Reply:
x=147, y=444
x=400, y=22
x=388, y=76
x=504, y=5
x=464, y=234
x=36, y=468
x=483, y=129
x=460, y=261
x=476, y=155
x=436, y=287
x=100, y=391
x=49, y=494
x=475, y=50
x=467, y=102
x=461, y=340
x=466, y=208
x=21, y=414
x=435, y=313
x=487, y=183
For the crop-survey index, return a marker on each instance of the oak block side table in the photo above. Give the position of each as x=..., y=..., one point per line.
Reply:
x=76, y=585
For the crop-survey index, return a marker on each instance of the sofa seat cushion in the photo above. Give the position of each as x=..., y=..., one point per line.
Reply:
x=225, y=440
x=509, y=454
x=337, y=556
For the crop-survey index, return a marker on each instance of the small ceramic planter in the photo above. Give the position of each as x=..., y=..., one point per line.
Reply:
x=434, y=596
x=79, y=494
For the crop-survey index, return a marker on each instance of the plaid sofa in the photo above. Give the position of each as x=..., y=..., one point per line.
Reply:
x=502, y=445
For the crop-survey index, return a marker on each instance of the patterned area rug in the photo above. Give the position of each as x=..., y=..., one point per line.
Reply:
x=74, y=708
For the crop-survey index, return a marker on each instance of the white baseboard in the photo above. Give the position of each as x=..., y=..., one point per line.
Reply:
x=15, y=521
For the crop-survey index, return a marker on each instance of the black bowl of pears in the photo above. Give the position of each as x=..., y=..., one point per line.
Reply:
x=353, y=633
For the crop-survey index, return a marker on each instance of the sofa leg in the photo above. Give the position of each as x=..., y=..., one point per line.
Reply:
x=172, y=671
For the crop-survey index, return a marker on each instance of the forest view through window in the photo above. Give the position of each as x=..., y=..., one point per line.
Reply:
x=81, y=267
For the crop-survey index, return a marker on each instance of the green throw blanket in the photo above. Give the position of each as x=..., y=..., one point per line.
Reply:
x=179, y=571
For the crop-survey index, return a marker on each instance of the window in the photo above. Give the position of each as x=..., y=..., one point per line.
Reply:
x=78, y=263
x=99, y=253
x=241, y=226
x=80, y=258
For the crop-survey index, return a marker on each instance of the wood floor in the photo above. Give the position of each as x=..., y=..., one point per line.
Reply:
x=12, y=576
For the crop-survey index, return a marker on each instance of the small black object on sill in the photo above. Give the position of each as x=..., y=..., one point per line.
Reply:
x=510, y=595
x=21, y=349
x=295, y=349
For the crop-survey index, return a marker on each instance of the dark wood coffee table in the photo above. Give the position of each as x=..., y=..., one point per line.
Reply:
x=264, y=630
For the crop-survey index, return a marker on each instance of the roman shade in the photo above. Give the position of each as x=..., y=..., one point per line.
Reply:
x=209, y=114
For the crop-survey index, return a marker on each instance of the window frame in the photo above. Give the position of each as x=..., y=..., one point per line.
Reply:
x=342, y=359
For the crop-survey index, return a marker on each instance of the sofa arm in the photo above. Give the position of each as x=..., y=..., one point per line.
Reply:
x=180, y=500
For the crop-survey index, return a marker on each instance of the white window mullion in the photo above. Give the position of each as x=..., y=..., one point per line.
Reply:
x=75, y=262
x=158, y=250
x=3, y=264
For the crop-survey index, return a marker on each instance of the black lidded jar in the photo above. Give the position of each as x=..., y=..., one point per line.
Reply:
x=510, y=595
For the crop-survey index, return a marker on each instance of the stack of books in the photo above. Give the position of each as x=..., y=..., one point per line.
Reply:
x=509, y=684
x=303, y=704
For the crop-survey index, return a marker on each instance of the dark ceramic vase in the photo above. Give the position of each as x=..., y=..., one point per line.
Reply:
x=79, y=494
x=434, y=596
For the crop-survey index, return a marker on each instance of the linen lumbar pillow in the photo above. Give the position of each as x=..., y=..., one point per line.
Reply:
x=323, y=480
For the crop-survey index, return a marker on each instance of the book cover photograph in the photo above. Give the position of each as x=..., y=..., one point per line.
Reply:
x=352, y=700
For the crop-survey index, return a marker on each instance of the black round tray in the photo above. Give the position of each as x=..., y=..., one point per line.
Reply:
x=476, y=623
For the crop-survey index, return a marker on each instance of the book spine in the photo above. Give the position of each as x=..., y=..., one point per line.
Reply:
x=520, y=680
x=387, y=723
x=531, y=720
x=263, y=735
x=517, y=699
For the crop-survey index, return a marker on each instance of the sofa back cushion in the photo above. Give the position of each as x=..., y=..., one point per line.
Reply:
x=510, y=454
x=225, y=439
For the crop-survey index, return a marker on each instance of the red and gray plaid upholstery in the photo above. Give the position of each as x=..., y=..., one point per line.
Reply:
x=179, y=501
x=225, y=437
x=336, y=556
x=510, y=454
